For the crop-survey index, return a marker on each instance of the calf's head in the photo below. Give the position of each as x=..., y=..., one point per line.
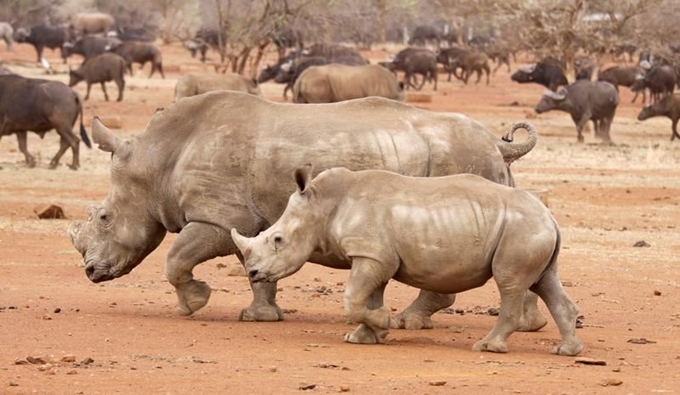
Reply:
x=120, y=232
x=281, y=250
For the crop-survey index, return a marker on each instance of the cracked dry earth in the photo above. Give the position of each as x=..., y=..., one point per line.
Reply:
x=618, y=208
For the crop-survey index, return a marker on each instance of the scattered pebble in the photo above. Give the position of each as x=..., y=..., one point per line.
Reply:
x=642, y=243
x=13, y=384
x=437, y=383
x=57, y=310
x=36, y=360
x=641, y=340
x=590, y=361
x=657, y=292
x=68, y=358
x=344, y=388
x=306, y=387
x=611, y=382
x=46, y=317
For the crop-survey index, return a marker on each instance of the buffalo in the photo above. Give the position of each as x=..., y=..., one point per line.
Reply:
x=90, y=46
x=669, y=107
x=448, y=56
x=140, y=52
x=471, y=62
x=43, y=36
x=101, y=68
x=624, y=76
x=424, y=34
x=546, y=72
x=415, y=61
x=585, y=101
x=39, y=106
x=659, y=79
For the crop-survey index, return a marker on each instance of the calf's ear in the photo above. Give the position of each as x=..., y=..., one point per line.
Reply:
x=105, y=138
x=303, y=178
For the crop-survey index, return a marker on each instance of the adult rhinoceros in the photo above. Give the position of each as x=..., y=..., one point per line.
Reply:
x=222, y=160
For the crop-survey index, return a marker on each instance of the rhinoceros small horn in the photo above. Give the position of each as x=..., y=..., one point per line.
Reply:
x=242, y=242
x=303, y=177
x=105, y=138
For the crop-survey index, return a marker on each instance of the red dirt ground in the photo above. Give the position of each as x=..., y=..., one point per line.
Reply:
x=125, y=337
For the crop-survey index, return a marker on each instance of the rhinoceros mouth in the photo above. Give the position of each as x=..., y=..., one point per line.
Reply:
x=98, y=273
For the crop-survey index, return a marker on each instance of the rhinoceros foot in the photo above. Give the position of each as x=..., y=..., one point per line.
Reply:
x=532, y=320
x=365, y=335
x=266, y=313
x=491, y=346
x=411, y=321
x=192, y=297
x=569, y=348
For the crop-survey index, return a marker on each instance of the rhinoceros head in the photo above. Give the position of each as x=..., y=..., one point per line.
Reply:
x=120, y=232
x=281, y=250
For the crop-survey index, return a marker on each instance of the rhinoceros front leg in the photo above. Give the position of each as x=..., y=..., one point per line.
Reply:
x=418, y=314
x=367, y=276
x=263, y=306
x=197, y=243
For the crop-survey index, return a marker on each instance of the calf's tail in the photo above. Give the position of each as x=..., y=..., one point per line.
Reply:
x=83, y=132
x=512, y=151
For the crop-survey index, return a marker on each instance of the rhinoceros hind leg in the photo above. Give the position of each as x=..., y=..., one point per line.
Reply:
x=192, y=296
x=512, y=301
x=417, y=315
x=563, y=310
x=532, y=320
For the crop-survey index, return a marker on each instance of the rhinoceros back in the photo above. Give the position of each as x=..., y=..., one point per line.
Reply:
x=229, y=151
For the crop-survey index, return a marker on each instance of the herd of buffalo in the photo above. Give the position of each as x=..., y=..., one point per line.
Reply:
x=402, y=209
x=319, y=73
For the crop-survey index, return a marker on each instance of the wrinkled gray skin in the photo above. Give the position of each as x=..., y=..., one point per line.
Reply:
x=222, y=160
x=338, y=82
x=193, y=84
x=442, y=234
x=585, y=101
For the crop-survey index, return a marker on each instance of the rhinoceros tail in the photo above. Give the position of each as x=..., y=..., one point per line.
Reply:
x=83, y=132
x=512, y=151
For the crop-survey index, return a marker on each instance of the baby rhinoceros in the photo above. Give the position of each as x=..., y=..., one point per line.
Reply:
x=443, y=234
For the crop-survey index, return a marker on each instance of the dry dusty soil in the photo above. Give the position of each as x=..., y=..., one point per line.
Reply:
x=61, y=334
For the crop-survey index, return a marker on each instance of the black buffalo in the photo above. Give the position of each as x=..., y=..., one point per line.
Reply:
x=40, y=106
x=546, y=72
x=43, y=36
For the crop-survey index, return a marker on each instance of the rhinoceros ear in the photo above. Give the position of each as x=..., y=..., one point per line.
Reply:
x=242, y=242
x=101, y=135
x=303, y=178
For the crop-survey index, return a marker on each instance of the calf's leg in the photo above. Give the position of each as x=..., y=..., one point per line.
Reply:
x=418, y=314
x=563, y=310
x=367, y=276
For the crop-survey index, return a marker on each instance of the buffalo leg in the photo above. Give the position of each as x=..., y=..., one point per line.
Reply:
x=87, y=94
x=580, y=124
x=674, y=127
x=418, y=314
x=106, y=95
x=23, y=147
x=367, y=276
x=68, y=139
x=121, y=88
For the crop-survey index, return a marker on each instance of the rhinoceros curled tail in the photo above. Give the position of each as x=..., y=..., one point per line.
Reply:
x=513, y=151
